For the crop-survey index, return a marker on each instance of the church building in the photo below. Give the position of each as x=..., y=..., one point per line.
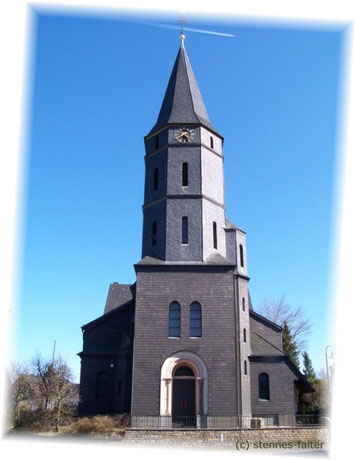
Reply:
x=183, y=343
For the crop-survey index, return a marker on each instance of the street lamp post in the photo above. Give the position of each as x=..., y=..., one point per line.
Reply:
x=331, y=356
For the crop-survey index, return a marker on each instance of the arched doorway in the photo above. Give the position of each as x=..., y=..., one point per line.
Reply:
x=183, y=404
x=184, y=382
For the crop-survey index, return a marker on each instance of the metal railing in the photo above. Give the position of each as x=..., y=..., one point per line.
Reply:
x=226, y=422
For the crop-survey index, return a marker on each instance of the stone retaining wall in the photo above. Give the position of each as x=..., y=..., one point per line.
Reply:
x=305, y=438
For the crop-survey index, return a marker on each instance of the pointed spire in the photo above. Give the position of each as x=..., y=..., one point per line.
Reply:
x=182, y=102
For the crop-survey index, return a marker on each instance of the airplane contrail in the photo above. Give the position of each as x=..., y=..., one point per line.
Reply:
x=202, y=31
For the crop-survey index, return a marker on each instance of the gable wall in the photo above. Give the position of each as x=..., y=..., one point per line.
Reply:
x=107, y=348
x=111, y=335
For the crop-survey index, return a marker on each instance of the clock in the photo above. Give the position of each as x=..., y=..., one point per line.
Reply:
x=183, y=135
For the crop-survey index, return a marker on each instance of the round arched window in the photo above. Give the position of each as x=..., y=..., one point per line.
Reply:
x=263, y=386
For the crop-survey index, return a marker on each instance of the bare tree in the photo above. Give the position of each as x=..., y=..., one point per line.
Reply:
x=64, y=392
x=281, y=312
x=57, y=393
x=41, y=369
x=22, y=391
x=41, y=395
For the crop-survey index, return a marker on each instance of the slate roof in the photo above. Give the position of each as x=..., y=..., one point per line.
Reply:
x=261, y=346
x=108, y=315
x=119, y=294
x=230, y=226
x=182, y=102
x=265, y=320
x=213, y=259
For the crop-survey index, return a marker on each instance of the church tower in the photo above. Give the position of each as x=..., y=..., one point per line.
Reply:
x=184, y=207
x=182, y=345
x=191, y=293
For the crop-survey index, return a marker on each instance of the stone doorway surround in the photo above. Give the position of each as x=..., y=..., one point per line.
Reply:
x=168, y=368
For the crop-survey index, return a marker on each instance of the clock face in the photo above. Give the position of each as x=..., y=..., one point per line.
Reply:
x=184, y=135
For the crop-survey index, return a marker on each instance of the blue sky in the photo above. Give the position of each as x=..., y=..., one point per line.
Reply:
x=272, y=92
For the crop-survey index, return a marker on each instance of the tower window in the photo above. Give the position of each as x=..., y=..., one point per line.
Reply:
x=157, y=142
x=211, y=142
x=263, y=386
x=215, y=236
x=154, y=233
x=185, y=230
x=185, y=174
x=245, y=335
x=243, y=304
x=195, y=319
x=101, y=384
x=245, y=367
x=155, y=179
x=241, y=255
x=174, y=320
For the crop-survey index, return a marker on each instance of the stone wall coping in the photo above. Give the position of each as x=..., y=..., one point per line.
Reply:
x=230, y=430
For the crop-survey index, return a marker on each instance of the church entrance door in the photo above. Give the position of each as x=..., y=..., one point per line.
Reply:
x=183, y=408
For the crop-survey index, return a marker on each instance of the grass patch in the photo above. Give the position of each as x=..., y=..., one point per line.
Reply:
x=99, y=425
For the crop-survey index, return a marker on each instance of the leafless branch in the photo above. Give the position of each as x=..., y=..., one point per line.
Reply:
x=280, y=312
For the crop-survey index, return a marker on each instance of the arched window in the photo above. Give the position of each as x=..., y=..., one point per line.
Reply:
x=245, y=367
x=155, y=179
x=263, y=386
x=101, y=384
x=211, y=142
x=157, y=142
x=245, y=335
x=241, y=255
x=185, y=174
x=243, y=304
x=174, y=320
x=215, y=236
x=195, y=320
x=185, y=230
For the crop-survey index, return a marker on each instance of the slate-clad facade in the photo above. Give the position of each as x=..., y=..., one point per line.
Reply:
x=184, y=339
